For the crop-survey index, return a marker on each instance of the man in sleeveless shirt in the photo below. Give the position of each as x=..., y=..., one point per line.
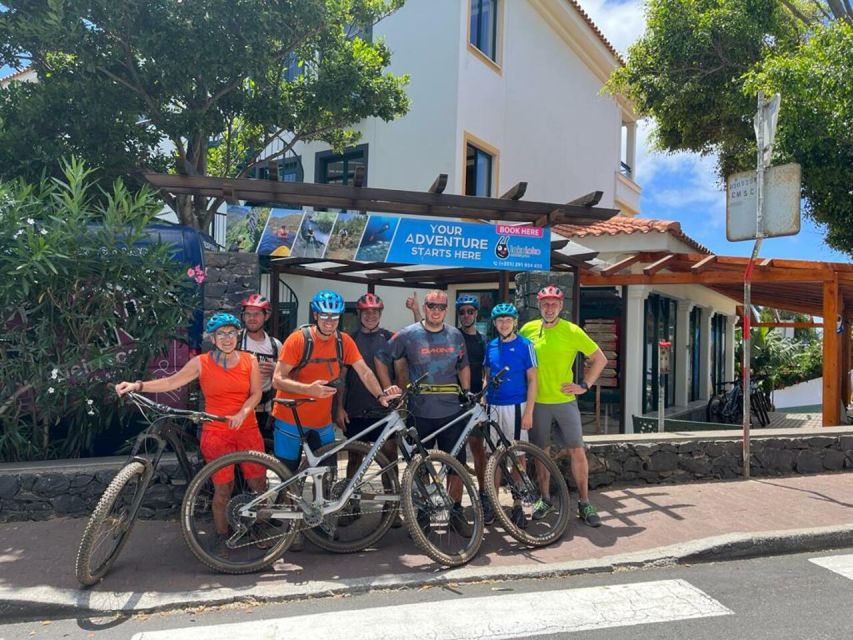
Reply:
x=255, y=340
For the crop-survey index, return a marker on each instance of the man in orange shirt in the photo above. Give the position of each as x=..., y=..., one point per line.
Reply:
x=318, y=378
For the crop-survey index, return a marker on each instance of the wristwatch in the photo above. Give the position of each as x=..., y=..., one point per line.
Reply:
x=584, y=386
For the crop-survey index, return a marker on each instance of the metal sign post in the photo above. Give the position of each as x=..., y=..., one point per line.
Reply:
x=664, y=368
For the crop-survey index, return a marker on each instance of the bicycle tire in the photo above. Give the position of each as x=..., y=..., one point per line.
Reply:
x=504, y=459
x=87, y=572
x=196, y=518
x=388, y=509
x=761, y=409
x=714, y=410
x=421, y=471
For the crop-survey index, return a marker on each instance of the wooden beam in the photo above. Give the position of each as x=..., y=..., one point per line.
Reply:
x=439, y=184
x=516, y=193
x=703, y=264
x=589, y=200
x=789, y=325
x=503, y=286
x=365, y=280
x=763, y=264
x=653, y=268
x=845, y=364
x=710, y=277
x=831, y=356
x=624, y=263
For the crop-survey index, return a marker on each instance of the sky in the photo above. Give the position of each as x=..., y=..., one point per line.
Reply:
x=684, y=186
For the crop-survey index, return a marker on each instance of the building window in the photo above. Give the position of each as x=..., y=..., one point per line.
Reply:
x=695, y=353
x=718, y=351
x=289, y=170
x=660, y=322
x=478, y=172
x=293, y=69
x=340, y=169
x=484, y=26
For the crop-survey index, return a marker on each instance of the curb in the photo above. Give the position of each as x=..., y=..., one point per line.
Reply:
x=49, y=602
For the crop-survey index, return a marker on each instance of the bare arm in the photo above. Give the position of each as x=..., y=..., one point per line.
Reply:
x=465, y=378
x=527, y=418
x=401, y=372
x=189, y=372
x=316, y=389
x=597, y=363
x=382, y=373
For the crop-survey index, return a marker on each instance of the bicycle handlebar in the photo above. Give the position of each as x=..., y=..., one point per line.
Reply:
x=165, y=410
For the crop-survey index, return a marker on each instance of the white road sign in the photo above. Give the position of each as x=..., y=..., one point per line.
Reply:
x=781, y=203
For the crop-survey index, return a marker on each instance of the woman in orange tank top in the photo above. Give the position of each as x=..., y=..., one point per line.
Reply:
x=231, y=383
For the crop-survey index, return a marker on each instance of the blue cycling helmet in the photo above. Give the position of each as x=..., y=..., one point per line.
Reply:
x=462, y=300
x=327, y=302
x=504, y=309
x=222, y=320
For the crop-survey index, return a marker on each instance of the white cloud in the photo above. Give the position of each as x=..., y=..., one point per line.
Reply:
x=620, y=22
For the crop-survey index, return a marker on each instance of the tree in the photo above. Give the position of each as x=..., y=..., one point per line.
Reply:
x=697, y=71
x=209, y=87
x=77, y=309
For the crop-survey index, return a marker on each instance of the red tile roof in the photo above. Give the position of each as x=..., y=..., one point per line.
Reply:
x=623, y=225
x=596, y=30
x=16, y=74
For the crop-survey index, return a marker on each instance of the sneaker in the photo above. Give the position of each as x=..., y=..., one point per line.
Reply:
x=589, y=514
x=488, y=511
x=459, y=522
x=542, y=508
x=298, y=543
x=516, y=516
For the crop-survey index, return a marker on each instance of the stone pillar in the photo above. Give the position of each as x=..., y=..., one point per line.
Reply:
x=681, y=353
x=231, y=277
x=632, y=368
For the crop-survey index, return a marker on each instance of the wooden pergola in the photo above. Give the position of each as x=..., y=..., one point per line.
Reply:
x=822, y=289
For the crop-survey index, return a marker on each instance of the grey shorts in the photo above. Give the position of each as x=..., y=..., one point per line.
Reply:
x=566, y=417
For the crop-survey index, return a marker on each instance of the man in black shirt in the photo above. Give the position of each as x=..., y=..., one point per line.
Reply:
x=467, y=309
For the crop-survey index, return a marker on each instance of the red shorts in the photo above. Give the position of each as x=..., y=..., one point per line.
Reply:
x=215, y=443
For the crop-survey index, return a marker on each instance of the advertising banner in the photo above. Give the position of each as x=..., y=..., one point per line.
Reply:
x=349, y=235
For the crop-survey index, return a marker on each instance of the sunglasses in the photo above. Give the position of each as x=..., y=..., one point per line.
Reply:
x=226, y=334
x=325, y=316
x=467, y=312
x=432, y=306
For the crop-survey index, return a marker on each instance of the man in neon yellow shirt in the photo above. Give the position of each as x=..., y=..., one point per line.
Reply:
x=557, y=343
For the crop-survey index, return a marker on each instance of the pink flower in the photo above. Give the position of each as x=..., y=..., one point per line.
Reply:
x=191, y=272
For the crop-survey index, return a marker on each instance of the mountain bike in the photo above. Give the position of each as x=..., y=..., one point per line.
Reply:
x=510, y=475
x=331, y=508
x=114, y=516
x=727, y=406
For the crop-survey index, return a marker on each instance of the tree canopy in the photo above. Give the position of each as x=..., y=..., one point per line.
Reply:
x=699, y=66
x=209, y=87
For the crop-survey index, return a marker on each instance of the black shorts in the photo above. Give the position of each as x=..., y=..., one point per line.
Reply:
x=357, y=425
x=445, y=440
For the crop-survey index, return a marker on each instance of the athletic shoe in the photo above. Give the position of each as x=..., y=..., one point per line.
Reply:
x=488, y=510
x=517, y=517
x=542, y=508
x=459, y=522
x=298, y=543
x=589, y=514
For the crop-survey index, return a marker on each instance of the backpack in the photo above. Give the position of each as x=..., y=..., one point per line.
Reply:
x=309, y=348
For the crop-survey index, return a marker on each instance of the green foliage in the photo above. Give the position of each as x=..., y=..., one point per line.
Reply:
x=697, y=71
x=69, y=287
x=212, y=78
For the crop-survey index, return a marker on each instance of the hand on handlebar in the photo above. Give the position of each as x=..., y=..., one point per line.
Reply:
x=320, y=389
x=391, y=393
x=125, y=387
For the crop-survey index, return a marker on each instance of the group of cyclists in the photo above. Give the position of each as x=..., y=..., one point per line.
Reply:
x=352, y=377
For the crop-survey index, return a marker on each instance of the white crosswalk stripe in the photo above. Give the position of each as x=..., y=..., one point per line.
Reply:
x=842, y=565
x=498, y=616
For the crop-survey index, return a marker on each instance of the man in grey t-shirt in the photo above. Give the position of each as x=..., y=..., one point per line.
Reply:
x=434, y=348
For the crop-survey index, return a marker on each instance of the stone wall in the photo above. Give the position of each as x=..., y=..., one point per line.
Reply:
x=231, y=277
x=38, y=491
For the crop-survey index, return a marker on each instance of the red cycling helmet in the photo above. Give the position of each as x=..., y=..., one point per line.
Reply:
x=369, y=301
x=256, y=300
x=550, y=291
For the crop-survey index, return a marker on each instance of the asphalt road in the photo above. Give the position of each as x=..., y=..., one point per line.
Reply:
x=805, y=596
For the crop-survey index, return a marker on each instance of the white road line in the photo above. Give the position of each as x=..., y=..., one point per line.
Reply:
x=498, y=616
x=842, y=565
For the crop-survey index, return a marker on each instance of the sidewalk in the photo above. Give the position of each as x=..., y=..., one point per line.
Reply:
x=643, y=526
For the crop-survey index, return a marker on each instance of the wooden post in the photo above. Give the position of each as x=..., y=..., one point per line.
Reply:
x=831, y=355
x=503, y=286
x=845, y=363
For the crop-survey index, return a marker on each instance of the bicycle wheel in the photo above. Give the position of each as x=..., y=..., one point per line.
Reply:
x=110, y=523
x=760, y=405
x=252, y=542
x=515, y=495
x=449, y=534
x=370, y=510
x=714, y=410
